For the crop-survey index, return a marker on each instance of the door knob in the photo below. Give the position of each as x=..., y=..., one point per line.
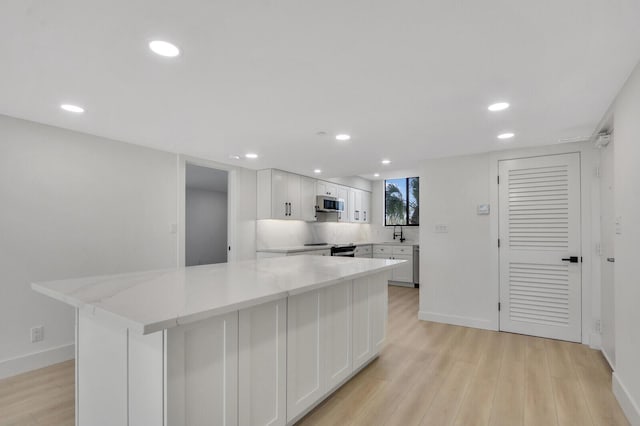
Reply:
x=571, y=259
x=611, y=259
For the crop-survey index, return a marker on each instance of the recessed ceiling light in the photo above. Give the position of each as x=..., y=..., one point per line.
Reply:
x=164, y=48
x=317, y=171
x=234, y=157
x=251, y=155
x=72, y=108
x=343, y=137
x=499, y=106
x=376, y=174
x=507, y=135
x=386, y=161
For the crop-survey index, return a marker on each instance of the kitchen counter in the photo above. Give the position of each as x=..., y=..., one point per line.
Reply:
x=150, y=301
x=297, y=249
x=223, y=344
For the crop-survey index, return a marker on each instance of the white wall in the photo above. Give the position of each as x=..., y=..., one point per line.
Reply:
x=627, y=246
x=78, y=205
x=459, y=269
x=73, y=205
x=206, y=227
x=456, y=284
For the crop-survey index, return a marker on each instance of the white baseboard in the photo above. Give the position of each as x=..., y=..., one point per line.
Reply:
x=456, y=320
x=608, y=358
x=33, y=361
x=626, y=401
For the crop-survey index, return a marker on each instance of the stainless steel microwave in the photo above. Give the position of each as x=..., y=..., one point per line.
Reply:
x=325, y=203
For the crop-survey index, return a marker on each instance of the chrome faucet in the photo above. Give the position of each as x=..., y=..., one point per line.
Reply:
x=395, y=234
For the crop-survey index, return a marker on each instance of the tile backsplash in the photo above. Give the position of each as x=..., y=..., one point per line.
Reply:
x=286, y=233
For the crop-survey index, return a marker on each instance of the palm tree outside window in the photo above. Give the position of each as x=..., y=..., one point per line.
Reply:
x=401, y=198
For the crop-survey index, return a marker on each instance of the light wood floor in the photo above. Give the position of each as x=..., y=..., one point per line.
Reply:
x=427, y=374
x=437, y=374
x=38, y=398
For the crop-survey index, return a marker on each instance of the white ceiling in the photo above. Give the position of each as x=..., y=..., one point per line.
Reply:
x=408, y=79
x=197, y=177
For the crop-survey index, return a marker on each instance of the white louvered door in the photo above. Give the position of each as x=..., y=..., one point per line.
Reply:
x=540, y=293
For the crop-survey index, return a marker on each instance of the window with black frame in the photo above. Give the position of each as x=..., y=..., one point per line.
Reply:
x=401, y=201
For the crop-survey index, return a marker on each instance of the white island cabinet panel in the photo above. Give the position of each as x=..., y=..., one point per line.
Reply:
x=202, y=372
x=102, y=365
x=262, y=364
x=362, y=347
x=337, y=347
x=379, y=298
x=304, y=352
x=146, y=387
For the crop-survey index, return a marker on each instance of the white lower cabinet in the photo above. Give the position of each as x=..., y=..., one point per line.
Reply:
x=202, y=372
x=362, y=347
x=262, y=346
x=305, y=378
x=337, y=333
x=404, y=272
x=323, y=354
x=378, y=302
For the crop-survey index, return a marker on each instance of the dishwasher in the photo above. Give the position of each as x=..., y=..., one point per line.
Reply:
x=416, y=266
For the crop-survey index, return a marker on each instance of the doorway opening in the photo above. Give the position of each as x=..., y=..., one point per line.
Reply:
x=206, y=215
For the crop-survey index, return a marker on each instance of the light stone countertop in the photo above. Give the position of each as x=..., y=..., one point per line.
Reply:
x=296, y=249
x=147, y=302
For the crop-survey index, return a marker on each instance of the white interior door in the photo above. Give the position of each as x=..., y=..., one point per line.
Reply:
x=607, y=243
x=540, y=262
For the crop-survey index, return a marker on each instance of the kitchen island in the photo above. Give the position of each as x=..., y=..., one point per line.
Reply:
x=248, y=343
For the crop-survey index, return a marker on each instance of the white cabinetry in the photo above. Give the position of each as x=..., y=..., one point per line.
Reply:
x=308, y=199
x=261, y=359
x=378, y=301
x=331, y=333
x=343, y=194
x=202, y=373
x=355, y=205
x=327, y=188
x=362, y=347
x=359, y=206
x=282, y=195
x=404, y=272
x=305, y=378
x=337, y=332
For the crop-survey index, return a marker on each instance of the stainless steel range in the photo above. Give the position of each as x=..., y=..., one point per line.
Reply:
x=344, y=250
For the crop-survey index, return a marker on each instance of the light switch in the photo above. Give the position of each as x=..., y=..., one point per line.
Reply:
x=441, y=229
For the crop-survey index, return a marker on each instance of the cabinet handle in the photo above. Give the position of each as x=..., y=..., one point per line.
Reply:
x=289, y=209
x=365, y=216
x=286, y=210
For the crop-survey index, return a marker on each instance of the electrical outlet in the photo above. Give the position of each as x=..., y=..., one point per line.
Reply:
x=598, y=326
x=37, y=334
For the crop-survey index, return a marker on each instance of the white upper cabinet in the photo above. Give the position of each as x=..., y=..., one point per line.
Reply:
x=283, y=195
x=308, y=199
x=343, y=194
x=359, y=205
x=327, y=188
x=366, y=206
x=288, y=196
